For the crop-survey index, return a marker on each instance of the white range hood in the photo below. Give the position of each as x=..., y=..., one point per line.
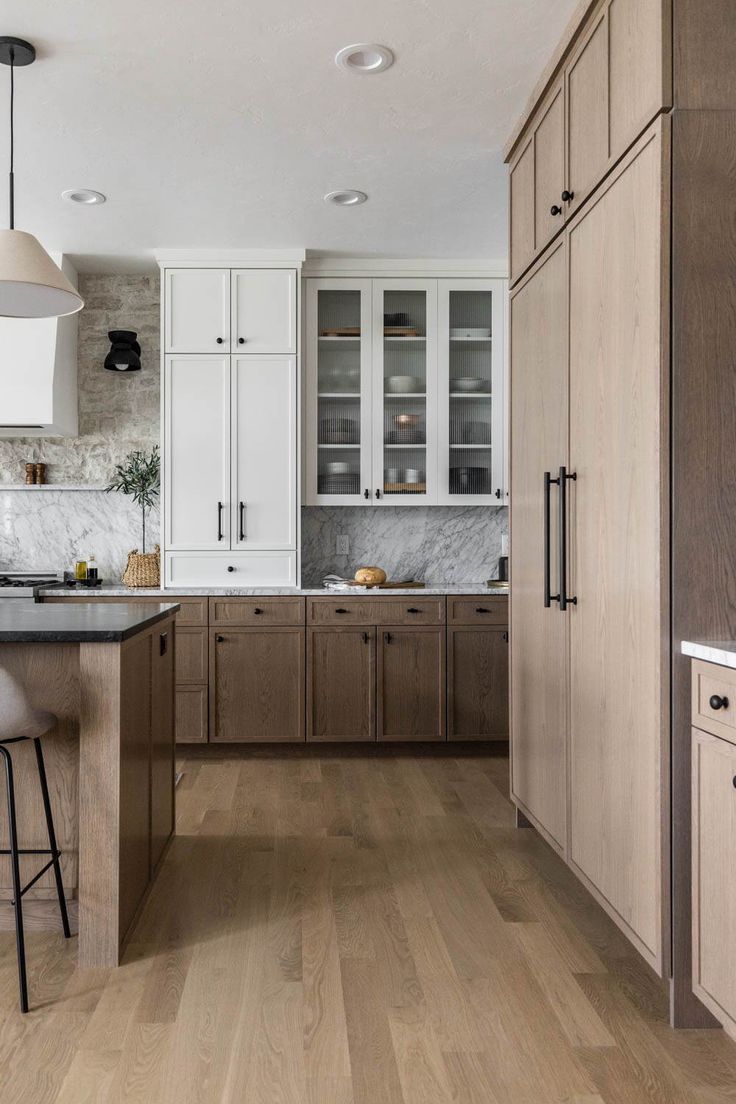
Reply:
x=38, y=372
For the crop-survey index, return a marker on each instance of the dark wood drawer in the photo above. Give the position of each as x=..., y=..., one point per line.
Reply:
x=375, y=611
x=480, y=610
x=193, y=610
x=259, y=612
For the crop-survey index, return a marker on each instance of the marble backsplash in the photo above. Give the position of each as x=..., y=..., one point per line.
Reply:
x=437, y=544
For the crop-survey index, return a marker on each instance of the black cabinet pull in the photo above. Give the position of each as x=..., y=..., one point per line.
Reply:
x=549, y=598
x=220, y=340
x=257, y=610
x=413, y=609
x=230, y=567
x=387, y=638
x=378, y=492
x=498, y=492
x=241, y=514
x=163, y=643
x=734, y=781
x=366, y=637
x=482, y=609
x=241, y=341
x=219, y=638
x=717, y=702
x=567, y=197
x=555, y=210
x=341, y=610
x=219, y=521
x=505, y=637
x=366, y=493
x=564, y=599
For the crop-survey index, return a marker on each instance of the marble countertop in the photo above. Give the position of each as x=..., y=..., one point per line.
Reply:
x=265, y=592
x=25, y=621
x=712, y=651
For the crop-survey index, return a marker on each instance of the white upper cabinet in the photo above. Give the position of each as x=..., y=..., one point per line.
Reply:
x=197, y=452
x=264, y=436
x=264, y=311
x=405, y=391
x=197, y=310
x=471, y=392
x=405, y=399
x=338, y=416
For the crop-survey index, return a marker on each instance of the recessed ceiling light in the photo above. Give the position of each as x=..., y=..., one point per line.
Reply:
x=346, y=197
x=85, y=196
x=364, y=57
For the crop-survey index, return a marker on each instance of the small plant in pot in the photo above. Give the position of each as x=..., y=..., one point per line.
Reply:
x=139, y=476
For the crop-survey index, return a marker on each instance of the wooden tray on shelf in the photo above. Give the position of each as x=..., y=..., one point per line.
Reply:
x=400, y=331
x=408, y=584
x=405, y=488
x=341, y=331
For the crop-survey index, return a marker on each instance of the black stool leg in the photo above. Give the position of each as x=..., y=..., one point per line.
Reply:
x=20, y=945
x=52, y=836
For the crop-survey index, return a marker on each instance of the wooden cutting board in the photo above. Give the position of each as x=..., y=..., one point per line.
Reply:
x=410, y=583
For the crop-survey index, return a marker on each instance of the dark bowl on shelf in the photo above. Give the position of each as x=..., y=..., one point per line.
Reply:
x=470, y=480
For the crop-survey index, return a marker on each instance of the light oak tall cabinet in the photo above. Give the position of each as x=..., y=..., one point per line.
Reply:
x=623, y=324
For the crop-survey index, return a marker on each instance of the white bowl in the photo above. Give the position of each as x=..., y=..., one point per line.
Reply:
x=471, y=333
x=337, y=467
x=402, y=385
x=468, y=383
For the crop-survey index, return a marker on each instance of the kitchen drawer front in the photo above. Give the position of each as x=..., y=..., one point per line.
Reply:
x=213, y=569
x=259, y=612
x=191, y=714
x=375, y=611
x=710, y=680
x=193, y=610
x=480, y=610
x=191, y=655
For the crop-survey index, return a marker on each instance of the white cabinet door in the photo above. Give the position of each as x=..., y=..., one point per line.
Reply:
x=264, y=310
x=471, y=392
x=404, y=392
x=197, y=316
x=197, y=452
x=338, y=393
x=264, y=440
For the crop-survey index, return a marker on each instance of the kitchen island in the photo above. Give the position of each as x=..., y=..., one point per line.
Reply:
x=106, y=671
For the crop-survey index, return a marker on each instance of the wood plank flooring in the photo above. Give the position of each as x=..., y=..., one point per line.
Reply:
x=348, y=927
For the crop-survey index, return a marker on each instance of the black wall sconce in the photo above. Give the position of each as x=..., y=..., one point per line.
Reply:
x=125, y=352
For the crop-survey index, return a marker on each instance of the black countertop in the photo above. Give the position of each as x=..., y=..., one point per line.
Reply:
x=23, y=621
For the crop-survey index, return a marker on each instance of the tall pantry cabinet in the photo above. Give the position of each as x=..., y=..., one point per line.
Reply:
x=623, y=324
x=230, y=405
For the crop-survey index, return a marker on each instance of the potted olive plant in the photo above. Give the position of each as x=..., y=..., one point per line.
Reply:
x=139, y=476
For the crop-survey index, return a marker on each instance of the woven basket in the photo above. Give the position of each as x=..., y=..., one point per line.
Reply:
x=143, y=568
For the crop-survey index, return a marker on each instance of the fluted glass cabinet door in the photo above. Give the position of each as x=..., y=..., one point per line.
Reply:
x=338, y=392
x=405, y=391
x=471, y=391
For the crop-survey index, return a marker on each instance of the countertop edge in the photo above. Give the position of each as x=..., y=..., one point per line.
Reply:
x=39, y=635
x=722, y=652
x=474, y=591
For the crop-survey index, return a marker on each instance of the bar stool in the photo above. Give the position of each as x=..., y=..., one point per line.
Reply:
x=19, y=721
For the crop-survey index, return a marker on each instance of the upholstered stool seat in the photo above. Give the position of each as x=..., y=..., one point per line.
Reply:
x=20, y=721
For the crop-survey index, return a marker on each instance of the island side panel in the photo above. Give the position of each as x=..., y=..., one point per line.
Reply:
x=50, y=674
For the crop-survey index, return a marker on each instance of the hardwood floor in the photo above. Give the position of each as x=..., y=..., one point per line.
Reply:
x=337, y=927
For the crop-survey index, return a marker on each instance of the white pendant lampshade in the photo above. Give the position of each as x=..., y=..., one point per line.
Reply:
x=31, y=285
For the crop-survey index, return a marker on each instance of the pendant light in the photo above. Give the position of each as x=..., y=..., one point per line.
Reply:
x=31, y=285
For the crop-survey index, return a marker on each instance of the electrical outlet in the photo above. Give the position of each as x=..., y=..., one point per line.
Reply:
x=342, y=545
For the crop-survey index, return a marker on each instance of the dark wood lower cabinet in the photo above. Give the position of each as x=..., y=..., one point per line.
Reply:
x=478, y=683
x=410, y=684
x=341, y=684
x=257, y=685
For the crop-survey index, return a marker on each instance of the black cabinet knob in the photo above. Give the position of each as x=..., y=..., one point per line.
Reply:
x=481, y=609
x=366, y=493
x=220, y=340
x=387, y=638
x=219, y=638
x=258, y=610
x=230, y=567
x=366, y=637
x=567, y=197
x=498, y=492
x=505, y=637
x=241, y=341
x=340, y=610
x=717, y=702
x=413, y=609
x=555, y=210
x=378, y=492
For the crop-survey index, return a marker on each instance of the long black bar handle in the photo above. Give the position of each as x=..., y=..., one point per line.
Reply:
x=565, y=599
x=549, y=598
x=241, y=508
x=219, y=521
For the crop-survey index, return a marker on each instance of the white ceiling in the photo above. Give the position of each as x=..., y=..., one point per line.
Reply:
x=222, y=124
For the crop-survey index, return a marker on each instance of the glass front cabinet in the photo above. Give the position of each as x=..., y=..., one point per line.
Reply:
x=405, y=392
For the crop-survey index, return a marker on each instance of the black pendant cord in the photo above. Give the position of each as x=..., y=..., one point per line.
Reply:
x=12, y=140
